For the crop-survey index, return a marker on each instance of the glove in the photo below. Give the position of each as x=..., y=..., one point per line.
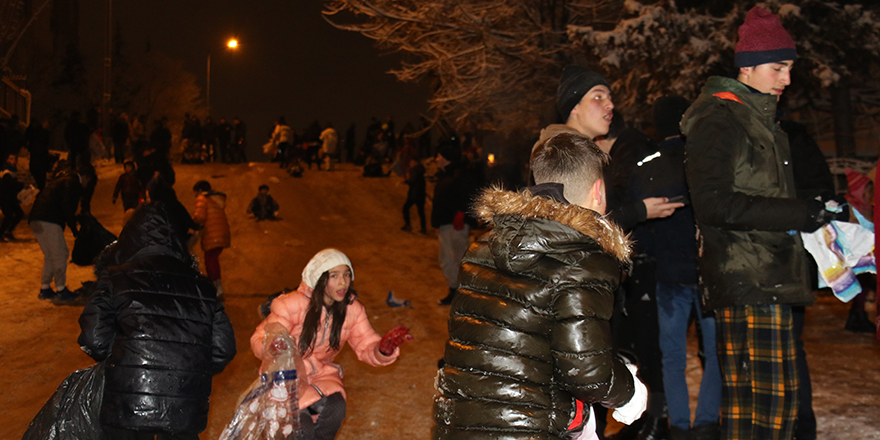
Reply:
x=458, y=221
x=393, y=339
x=633, y=409
x=817, y=216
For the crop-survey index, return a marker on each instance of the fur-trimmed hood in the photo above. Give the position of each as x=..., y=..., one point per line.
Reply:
x=495, y=202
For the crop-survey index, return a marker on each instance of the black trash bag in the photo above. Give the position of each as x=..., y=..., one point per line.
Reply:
x=74, y=411
x=91, y=240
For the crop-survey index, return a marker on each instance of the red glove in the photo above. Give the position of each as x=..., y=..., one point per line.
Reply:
x=458, y=221
x=393, y=339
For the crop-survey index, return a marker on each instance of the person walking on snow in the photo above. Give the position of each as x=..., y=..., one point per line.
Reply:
x=211, y=215
x=159, y=359
x=54, y=208
x=322, y=315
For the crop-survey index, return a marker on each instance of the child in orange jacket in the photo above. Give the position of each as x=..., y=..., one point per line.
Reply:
x=211, y=214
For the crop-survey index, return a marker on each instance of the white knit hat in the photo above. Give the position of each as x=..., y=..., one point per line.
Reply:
x=322, y=262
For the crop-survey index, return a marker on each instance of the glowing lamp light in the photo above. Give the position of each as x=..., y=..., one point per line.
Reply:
x=491, y=159
x=232, y=44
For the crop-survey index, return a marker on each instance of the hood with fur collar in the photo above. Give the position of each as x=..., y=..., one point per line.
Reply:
x=495, y=205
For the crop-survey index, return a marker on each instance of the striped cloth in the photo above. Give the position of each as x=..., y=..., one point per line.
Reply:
x=757, y=356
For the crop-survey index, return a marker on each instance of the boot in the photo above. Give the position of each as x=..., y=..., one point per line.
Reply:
x=219, y=285
x=676, y=433
x=712, y=431
x=655, y=428
x=858, y=322
x=448, y=300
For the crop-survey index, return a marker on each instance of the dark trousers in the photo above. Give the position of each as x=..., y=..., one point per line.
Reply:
x=212, y=263
x=331, y=413
x=420, y=209
x=114, y=433
x=805, y=425
x=222, y=151
x=119, y=151
x=12, y=214
x=39, y=177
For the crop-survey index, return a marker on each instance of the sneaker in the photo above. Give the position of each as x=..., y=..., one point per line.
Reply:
x=406, y=228
x=47, y=293
x=66, y=295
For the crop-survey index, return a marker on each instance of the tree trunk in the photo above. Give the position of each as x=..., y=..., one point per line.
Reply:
x=841, y=112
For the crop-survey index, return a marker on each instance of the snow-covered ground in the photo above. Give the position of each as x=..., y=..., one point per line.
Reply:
x=360, y=216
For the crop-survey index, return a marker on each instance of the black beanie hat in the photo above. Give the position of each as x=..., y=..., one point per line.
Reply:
x=668, y=111
x=576, y=81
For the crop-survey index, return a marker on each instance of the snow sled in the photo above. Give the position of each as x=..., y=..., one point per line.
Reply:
x=91, y=240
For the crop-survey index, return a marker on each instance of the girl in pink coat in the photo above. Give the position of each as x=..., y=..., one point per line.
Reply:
x=321, y=316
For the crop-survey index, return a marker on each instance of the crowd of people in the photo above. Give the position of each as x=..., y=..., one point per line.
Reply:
x=577, y=301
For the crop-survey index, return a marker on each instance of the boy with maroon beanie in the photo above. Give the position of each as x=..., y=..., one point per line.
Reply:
x=753, y=266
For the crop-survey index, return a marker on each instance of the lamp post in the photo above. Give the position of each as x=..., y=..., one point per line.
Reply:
x=231, y=44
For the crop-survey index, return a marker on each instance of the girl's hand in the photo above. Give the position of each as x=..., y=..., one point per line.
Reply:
x=393, y=339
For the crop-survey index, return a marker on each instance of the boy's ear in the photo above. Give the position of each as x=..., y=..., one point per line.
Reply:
x=597, y=196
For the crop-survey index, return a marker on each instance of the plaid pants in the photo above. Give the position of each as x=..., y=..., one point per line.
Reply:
x=756, y=350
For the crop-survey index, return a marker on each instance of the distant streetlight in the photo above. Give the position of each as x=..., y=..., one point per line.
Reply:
x=231, y=44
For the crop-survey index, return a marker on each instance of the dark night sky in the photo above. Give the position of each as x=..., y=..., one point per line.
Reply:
x=290, y=61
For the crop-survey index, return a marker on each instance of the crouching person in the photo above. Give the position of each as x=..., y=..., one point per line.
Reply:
x=529, y=345
x=158, y=324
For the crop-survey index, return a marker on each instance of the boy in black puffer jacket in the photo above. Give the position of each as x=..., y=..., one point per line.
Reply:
x=157, y=323
x=529, y=345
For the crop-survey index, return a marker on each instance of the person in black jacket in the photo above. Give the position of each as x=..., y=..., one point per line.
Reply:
x=529, y=347
x=450, y=205
x=415, y=195
x=54, y=208
x=10, y=186
x=37, y=137
x=159, y=359
x=76, y=135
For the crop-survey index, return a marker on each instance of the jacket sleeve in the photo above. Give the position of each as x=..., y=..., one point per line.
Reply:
x=711, y=157
x=285, y=311
x=582, y=348
x=364, y=340
x=200, y=215
x=223, y=343
x=98, y=323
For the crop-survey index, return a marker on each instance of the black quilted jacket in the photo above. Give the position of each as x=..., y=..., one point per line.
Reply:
x=158, y=323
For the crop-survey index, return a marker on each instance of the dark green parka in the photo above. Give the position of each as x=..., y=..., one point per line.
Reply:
x=742, y=188
x=529, y=329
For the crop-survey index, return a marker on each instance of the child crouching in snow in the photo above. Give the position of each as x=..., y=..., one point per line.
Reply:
x=263, y=206
x=321, y=316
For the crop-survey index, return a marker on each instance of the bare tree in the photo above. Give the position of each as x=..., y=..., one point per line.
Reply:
x=659, y=50
x=492, y=64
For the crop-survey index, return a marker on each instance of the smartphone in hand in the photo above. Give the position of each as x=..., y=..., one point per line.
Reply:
x=678, y=199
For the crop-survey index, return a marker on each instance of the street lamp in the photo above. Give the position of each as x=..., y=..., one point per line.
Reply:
x=232, y=44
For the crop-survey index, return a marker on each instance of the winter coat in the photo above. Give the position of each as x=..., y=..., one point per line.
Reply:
x=58, y=202
x=416, y=181
x=528, y=330
x=742, y=189
x=452, y=194
x=129, y=186
x=211, y=213
x=263, y=207
x=671, y=241
x=10, y=186
x=282, y=134
x=324, y=376
x=159, y=325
